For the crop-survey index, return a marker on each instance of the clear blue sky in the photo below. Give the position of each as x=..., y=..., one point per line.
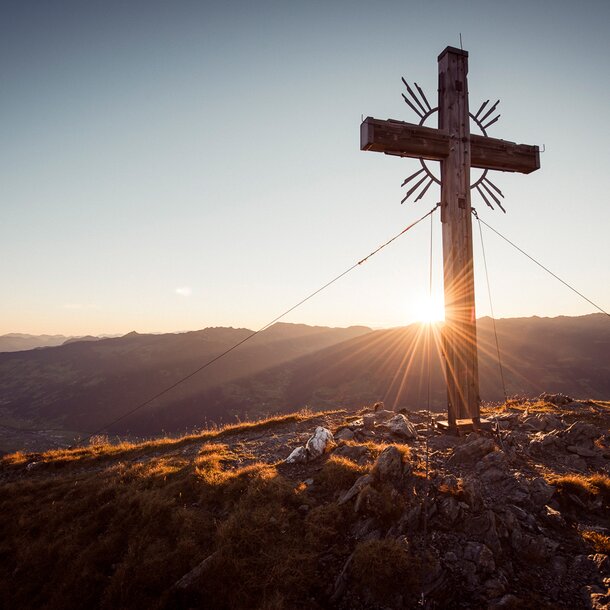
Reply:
x=175, y=165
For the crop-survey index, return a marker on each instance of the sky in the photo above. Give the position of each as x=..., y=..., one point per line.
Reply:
x=169, y=166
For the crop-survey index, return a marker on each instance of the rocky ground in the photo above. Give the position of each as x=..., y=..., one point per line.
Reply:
x=395, y=513
x=501, y=530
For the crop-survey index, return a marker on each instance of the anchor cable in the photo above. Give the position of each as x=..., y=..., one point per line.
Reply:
x=546, y=269
x=254, y=333
x=491, y=307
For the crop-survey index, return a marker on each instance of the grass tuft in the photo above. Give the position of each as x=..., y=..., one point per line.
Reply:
x=599, y=542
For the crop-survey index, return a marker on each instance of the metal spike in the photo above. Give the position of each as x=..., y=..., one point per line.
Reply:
x=489, y=111
x=481, y=108
x=414, y=188
x=415, y=98
x=484, y=198
x=423, y=96
x=493, y=196
x=491, y=122
x=425, y=189
x=419, y=114
x=494, y=186
x=412, y=176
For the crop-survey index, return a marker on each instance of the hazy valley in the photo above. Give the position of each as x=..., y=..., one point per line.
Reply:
x=55, y=394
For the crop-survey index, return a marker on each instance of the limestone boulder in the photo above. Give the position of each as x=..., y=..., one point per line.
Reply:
x=319, y=443
x=401, y=427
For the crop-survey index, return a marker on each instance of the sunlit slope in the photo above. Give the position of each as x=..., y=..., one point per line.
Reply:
x=84, y=385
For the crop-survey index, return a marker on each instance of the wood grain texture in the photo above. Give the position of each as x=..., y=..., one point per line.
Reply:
x=409, y=140
x=459, y=334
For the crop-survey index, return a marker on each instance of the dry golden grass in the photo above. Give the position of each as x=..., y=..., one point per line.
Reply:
x=599, y=542
x=119, y=531
x=105, y=451
x=338, y=473
x=376, y=448
x=585, y=487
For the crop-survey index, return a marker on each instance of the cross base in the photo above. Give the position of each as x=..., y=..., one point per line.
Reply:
x=464, y=425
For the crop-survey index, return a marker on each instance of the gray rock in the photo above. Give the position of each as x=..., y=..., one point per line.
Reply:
x=388, y=466
x=481, y=556
x=345, y=434
x=471, y=451
x=298, y=456
x=549, y=440
x=540, y=492
x=355, y=453
x=369, y=421
x=538, y=548
x=450, y=510
x=356, y=488
x=556, y=399
x=543, y=422
x=581, y=433
x=581, y=450
x=473, y=492
x=482, y=528
x=401, y=426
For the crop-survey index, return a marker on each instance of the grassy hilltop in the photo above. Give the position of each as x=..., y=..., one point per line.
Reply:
x=218, y=519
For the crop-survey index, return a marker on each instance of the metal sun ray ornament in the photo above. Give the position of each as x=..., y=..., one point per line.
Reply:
x=423, y=109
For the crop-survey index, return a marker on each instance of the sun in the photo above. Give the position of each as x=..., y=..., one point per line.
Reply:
x=429, y=309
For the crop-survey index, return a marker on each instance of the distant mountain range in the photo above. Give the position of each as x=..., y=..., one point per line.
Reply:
x=16, y=342
x=81, y=386
x=20, y=342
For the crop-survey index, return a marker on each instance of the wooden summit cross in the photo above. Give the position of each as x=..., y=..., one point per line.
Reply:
x=458, y=151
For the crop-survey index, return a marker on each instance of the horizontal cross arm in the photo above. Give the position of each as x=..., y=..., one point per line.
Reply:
x=410, y=140
x=502, y=155
x=403, y=139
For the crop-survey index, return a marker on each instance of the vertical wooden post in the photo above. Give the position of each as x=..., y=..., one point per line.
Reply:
x=459, y=340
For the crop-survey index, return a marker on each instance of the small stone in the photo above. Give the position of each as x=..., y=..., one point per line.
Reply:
x=345, y=434
x=582, y=451
x=355, y=453
x=298, y=456
x=356, y=488
x=369, y=421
